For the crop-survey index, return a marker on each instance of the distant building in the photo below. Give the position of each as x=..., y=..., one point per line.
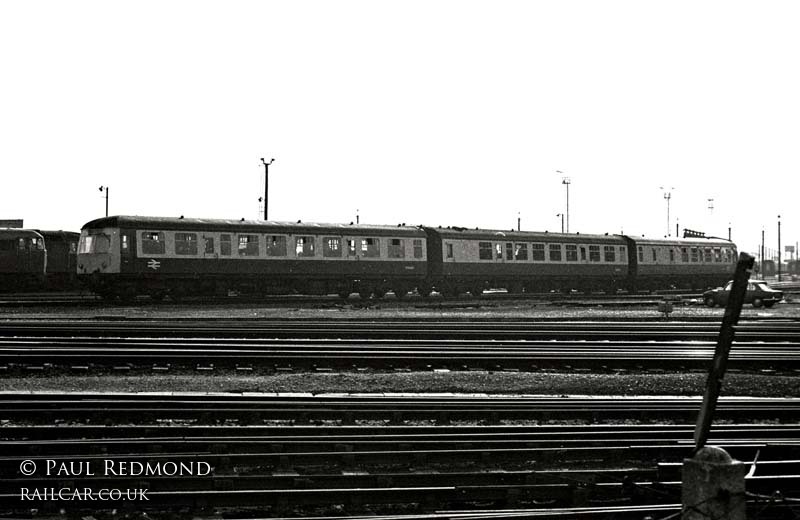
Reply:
x=11, y=223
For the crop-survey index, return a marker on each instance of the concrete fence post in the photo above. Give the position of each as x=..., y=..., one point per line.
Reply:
x=713, y=486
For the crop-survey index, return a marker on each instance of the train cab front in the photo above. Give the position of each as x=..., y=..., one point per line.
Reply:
x=98, y=259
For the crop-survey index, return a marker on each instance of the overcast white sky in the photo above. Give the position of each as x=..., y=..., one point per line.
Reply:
x=434, y=112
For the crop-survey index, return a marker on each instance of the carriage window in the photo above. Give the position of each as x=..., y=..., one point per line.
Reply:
x=707, y=256
x=594, y=253
x=370, y=247
x=449, y=250
x=572, y=253
x=671, y=255
x=653, y=251
x=332, y=247
x=248, y=245
x=185, y=243
x=498, y=251
x=351, y=248
x=537, y=252
x=684, y=254
x=485, y=250
x=417, y=248
x=608, y=254
x=21, y=244
x=124, y=243
x=555, y=252
x=37, y=244
x=622, y=253
x=276, y=245
x=397, y=248
x=153, y=243
x=521, y=251
x=209, y=250
x=94, y=243
x=304, y=246
x=641, y=254
x=695, y=255
x=509, y=251
x=717, y=254
x=73, y=247
x=225, y=245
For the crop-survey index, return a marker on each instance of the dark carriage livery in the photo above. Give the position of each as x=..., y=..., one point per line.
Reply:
x=128, y=256
x=691, y=263
x=62, y=258
x=463, y=260
x=23, y=259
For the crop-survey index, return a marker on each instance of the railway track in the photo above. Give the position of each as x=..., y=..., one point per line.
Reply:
x=283, y=469
x=264, y=345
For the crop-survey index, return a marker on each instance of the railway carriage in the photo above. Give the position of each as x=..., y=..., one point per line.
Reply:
x=23, y=259
x=463, y=260
x=62, y=253
x=692, y=263
x=126, y=256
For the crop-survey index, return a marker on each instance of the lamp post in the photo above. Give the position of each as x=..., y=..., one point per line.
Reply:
x=266, y=184
x=105, y=196
x=562, y=220
x=779, y=248
x=667, y=197
x=566, y=182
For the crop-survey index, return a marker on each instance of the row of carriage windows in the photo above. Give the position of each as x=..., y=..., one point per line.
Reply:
x=153, y=243
x=692, y=254
x=593, y=253
x=21, y=244
x=540, y=252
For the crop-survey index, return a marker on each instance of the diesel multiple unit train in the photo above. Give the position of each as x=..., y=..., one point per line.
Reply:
x=126, y=256
x=37, y=259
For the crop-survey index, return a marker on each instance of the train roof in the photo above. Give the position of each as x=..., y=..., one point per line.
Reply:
x=539, y=236
x=249, y=226
x=52, y=233
x=694, y=241
x=12, y=233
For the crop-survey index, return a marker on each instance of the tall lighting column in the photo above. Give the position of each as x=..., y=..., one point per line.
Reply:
x=566, y=182
x=105, y=196
x=266, y=184
x=667, y=197
x=779, y=248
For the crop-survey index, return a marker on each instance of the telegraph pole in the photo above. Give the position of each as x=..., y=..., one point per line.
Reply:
x=266, y=184
x=779, y=248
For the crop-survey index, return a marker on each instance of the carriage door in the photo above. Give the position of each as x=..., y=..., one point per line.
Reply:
x=126, y=247
x=23, y=256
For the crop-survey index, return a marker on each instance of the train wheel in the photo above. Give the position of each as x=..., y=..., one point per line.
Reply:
x=424, y=290
x=477, y=292
x=400, y=292
x=710, y=301
x=379, y=292
x=344, y=294
x=365, y=293
x=758, y=302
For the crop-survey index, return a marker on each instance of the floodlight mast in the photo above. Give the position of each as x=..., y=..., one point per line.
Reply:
x=266, y=184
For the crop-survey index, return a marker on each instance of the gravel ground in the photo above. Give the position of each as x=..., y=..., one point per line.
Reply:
x=692, y=384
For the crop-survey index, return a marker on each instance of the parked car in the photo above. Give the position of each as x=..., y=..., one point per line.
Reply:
x=758, y=293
